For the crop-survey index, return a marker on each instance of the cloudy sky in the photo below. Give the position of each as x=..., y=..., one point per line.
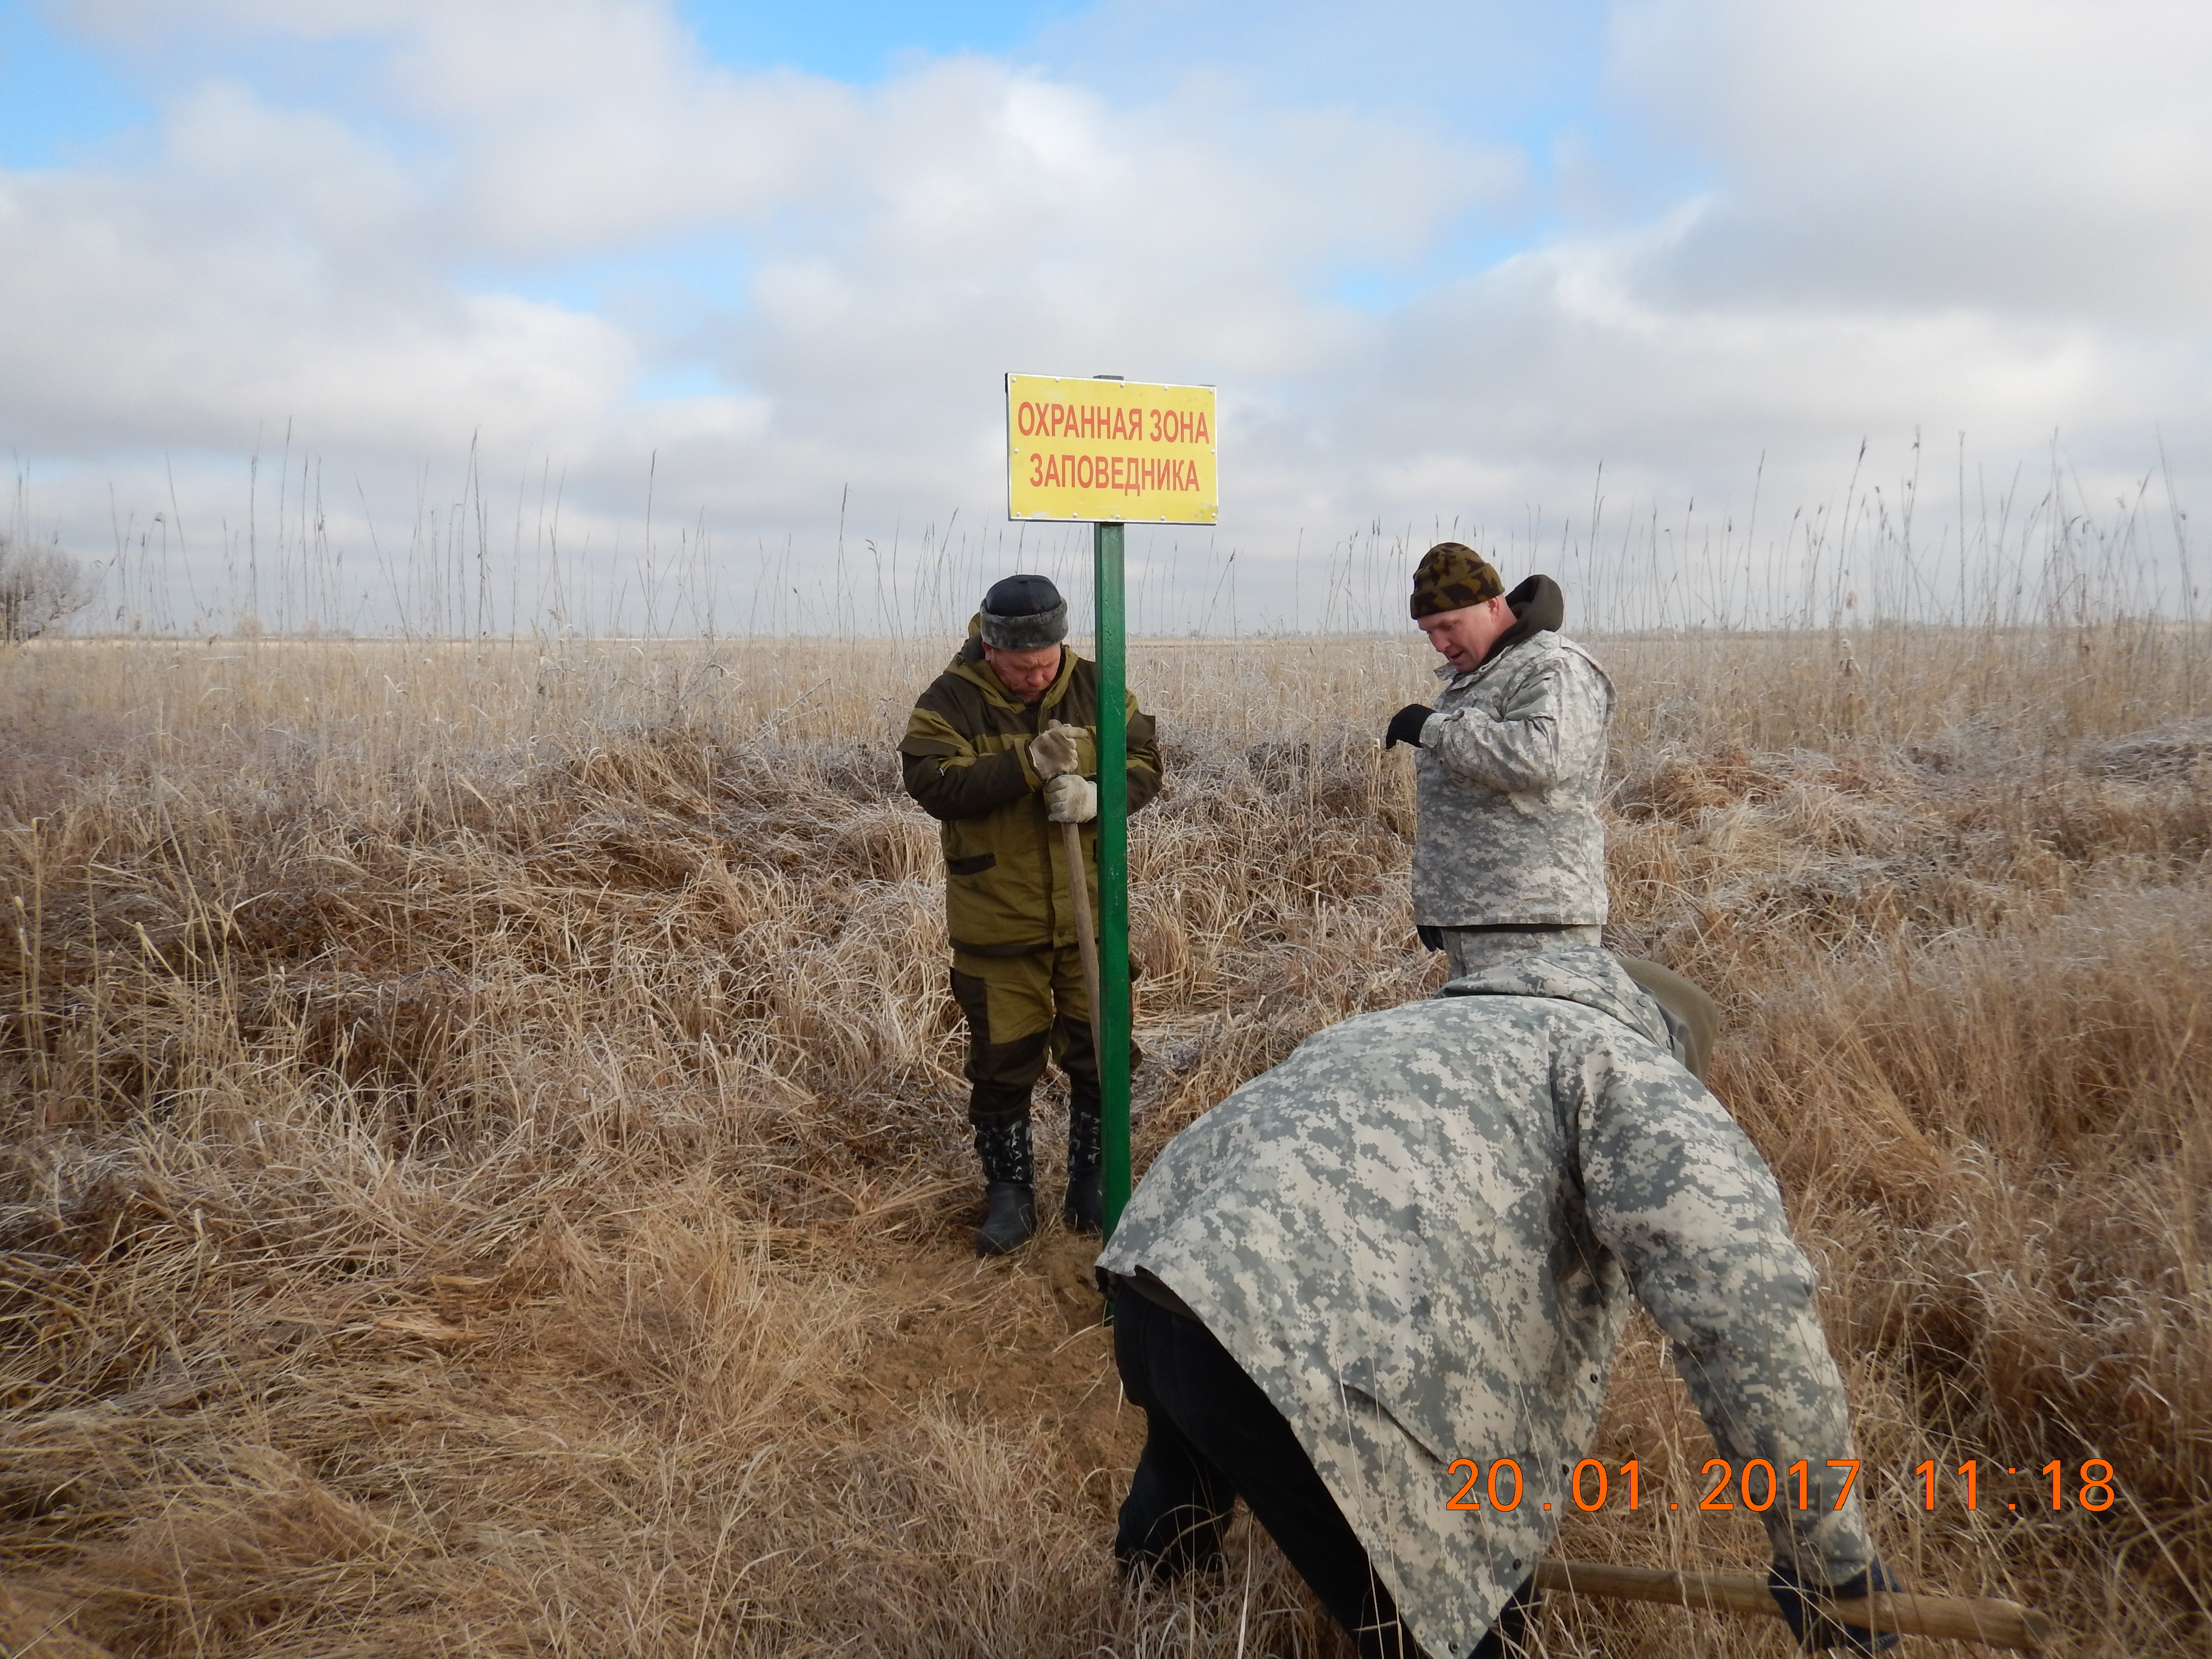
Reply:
x=482, y=282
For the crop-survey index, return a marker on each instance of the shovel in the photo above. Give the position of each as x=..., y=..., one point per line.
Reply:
x=1985, y=1619
x=1087, y=936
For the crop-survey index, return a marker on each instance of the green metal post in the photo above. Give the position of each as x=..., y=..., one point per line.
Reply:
x=1113, y=871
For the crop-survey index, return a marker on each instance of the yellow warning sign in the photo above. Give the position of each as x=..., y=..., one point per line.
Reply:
x=1113, y=451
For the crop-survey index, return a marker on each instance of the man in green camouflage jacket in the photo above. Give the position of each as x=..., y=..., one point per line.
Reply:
x=1001, y=749
x=1416, y=1242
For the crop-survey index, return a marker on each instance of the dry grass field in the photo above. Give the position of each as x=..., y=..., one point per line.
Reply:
x=482, y=1169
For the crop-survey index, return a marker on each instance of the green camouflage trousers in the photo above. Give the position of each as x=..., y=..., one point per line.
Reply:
x=1020, y=1010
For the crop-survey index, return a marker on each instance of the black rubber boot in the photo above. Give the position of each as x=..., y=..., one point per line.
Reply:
x=1084, y=1210
x=1013, y=1220
x=1008, y=1187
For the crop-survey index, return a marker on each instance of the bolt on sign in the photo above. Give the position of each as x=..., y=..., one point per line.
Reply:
x=1112, y=451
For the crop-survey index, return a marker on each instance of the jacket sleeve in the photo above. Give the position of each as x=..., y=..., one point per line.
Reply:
x=943, y=772
x=1553, y=729
x=1145, y=770
x=955, y=787
x=1677, y=1192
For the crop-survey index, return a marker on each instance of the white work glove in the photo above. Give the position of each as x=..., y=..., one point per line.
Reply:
x=1056, y=751
x=1070, y=800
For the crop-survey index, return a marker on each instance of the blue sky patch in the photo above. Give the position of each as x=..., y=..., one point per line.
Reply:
x=862, y=40
x=678, y=381
x=57, y=100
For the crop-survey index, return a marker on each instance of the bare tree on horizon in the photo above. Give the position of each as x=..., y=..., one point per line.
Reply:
x=40, y=587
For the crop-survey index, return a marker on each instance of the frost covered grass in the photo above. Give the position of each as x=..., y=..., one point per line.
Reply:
x=483, y=1172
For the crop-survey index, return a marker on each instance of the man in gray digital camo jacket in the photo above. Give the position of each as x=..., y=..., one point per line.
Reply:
x=1416, y=1242
x=1509, y=855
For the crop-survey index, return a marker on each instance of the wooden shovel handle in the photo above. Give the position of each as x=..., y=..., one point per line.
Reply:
x=1087, y=936
x=1987, y=1620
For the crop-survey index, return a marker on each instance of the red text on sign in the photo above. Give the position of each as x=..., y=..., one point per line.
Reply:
x=1110, y=423
x=1125, y=475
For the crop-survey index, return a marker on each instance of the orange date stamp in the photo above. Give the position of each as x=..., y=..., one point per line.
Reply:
x=1758, y=1486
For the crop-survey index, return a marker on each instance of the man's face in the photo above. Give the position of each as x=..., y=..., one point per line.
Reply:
x=1028, y=674
x=1465, y=635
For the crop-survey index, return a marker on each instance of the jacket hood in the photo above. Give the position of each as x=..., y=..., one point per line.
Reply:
x=1538, y=606
x=1587, y=973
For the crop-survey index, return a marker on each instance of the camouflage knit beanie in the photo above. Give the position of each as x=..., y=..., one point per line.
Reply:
x=1451, y=577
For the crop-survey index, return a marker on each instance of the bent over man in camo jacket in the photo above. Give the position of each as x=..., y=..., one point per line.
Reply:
x=1416, y=1241
x=1001, y=749
x=1509, y=855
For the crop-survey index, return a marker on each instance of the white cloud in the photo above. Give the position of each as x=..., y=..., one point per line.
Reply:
x=1961, y=216
x=262, y=273
x=2031, y=154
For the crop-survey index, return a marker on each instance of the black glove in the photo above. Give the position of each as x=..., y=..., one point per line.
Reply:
x=1810, y=1623
x=1406, y=725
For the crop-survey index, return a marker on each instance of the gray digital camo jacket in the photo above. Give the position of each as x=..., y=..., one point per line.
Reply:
x=1506, y=780
x=1420, y=1234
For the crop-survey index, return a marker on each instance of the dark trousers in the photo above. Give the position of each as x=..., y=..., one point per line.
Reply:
x=1212, y=1437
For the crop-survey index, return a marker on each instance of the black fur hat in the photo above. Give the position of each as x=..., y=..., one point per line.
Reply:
x=1024, y=613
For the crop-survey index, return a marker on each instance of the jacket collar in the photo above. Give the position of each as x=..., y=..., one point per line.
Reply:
x=968, y=664
x=1587, y=973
